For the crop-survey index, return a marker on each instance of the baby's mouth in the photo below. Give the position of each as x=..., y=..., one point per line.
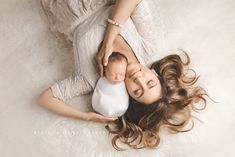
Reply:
x=116, y=82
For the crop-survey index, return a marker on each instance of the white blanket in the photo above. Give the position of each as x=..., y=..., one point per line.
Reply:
x=31, y=59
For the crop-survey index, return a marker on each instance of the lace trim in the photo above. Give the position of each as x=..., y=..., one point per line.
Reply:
x=75, y=85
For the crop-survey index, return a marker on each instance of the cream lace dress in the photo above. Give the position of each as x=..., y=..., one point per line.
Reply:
x=83, y=22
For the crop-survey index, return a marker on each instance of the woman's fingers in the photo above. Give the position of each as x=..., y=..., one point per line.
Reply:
x=106, y=56
x=103, y=56
x=101, y=68
x=100, y=118
x=99, y=62
x=103, y=119
x=109, y=119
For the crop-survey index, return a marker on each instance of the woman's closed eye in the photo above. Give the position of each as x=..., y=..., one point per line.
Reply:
x=137, y=92
x=151, y=83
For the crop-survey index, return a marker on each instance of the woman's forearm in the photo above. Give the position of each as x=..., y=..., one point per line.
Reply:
x=123, y=10
x=53, y=104
x=120, y=13
x=57, y=106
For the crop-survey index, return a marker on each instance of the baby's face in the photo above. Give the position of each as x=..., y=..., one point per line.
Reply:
x=115, y=71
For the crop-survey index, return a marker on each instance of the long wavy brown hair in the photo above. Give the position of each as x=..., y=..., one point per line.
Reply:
x=139, y=126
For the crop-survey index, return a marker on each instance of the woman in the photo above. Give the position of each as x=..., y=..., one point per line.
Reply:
x=160, y=92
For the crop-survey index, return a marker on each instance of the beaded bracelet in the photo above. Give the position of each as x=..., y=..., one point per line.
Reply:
x=114, y=23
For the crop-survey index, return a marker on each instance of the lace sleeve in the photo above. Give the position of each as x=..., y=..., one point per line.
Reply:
x=70, y=87
x=143, y=21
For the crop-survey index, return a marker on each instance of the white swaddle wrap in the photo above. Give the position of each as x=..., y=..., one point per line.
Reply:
x=110, y=100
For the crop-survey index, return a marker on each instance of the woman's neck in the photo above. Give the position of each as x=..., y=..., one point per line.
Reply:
x=120, y=45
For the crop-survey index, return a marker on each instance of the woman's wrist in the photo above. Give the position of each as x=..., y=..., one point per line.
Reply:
x=115, y=23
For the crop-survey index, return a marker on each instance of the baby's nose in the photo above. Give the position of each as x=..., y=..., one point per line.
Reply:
x=118, y=77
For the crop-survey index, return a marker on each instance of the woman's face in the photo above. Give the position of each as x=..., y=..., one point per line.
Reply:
x=142, y=83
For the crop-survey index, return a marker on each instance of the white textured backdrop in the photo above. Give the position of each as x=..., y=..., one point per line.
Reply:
x=31, y=59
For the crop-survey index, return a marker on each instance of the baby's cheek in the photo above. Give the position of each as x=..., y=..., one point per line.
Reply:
x=110, y=77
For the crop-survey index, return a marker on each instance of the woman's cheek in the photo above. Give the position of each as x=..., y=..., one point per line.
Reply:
x=127, y=84
x=129, y=87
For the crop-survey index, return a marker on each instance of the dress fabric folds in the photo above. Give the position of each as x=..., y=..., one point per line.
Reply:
x=83, y=22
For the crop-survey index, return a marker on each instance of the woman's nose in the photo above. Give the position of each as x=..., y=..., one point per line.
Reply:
x=139, y=80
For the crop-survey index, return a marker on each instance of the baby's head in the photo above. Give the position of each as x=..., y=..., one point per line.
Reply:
x=116, y=69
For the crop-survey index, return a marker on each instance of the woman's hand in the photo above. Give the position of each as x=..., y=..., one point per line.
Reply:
x=103, y=55
x=92, y=116
x=120, y=13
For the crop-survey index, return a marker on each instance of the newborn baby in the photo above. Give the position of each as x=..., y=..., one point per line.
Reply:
x=110, y=97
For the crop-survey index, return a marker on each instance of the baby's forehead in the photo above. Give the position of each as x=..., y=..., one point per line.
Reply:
x=117, y=66
x=117, y=56
x=117, y=60
x=117, y=63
